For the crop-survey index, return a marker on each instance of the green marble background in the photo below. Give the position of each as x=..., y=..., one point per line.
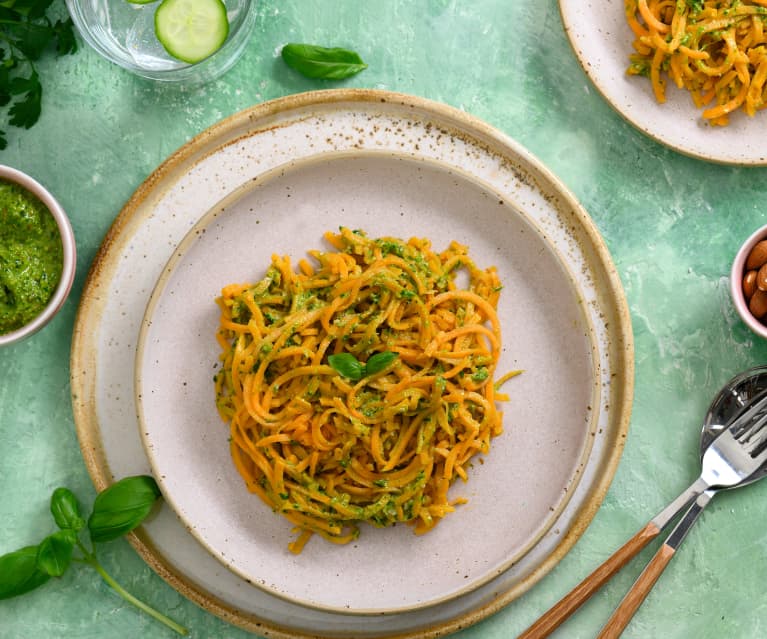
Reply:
x=672, y=224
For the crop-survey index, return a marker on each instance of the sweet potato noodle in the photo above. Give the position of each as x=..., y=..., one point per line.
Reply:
x=359, y=386
x=714, y=49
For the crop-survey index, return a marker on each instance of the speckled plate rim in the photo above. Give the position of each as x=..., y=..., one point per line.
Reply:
x=618, y=391
x=601, y=39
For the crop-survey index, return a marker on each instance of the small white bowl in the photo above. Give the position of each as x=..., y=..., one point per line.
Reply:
x=736, y=282
x=69, y=255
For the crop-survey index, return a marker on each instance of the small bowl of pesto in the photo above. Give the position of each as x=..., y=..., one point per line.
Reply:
x=37, y=256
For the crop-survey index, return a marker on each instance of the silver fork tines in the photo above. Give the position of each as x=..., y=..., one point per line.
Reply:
x=746, y=432
x=756, y=439
x=748, y=423
x=739, y=451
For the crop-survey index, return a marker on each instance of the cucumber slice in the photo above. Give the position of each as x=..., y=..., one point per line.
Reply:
x=191, y=30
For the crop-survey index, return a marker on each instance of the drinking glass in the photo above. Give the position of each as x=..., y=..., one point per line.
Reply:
x=123, y=32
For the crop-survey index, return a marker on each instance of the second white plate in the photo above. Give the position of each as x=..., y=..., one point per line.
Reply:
x=602, y=41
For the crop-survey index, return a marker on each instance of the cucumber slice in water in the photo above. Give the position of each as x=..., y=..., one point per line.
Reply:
x=191, y=30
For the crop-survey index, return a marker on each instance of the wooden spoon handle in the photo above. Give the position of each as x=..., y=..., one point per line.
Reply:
x=556, y=615
x=634, y=597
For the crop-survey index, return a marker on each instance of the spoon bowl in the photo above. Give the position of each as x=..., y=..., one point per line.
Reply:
x=728, y=403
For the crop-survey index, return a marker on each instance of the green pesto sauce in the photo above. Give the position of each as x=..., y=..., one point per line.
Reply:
x=31, y=256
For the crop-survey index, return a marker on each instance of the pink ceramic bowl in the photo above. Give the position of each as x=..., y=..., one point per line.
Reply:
x=736, y=282
x=69, y=255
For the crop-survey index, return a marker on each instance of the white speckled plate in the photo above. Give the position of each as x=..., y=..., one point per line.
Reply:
x=602, y=39
x=390, y=164
x=514, y=496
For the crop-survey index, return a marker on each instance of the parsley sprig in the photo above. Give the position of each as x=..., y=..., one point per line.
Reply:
x=27, y=32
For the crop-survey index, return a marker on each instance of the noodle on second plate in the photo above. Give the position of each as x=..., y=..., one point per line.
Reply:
x=359, y=387
x=717, y=50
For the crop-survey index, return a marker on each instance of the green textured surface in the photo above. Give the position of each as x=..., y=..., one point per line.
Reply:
x=672, y=225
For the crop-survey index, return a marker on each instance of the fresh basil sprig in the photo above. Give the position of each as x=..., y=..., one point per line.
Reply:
x=321, y=62
x=347, y=365
x=350, y=367
x=116, y=511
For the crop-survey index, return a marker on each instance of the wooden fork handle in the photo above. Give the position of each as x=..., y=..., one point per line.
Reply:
x=642, y=586
x=634, y=597
x=556, y=615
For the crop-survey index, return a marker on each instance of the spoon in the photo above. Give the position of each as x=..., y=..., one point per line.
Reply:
x=732, y=403
x=727, y=407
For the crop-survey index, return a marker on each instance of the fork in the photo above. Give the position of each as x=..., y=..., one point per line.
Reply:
x=731, y=460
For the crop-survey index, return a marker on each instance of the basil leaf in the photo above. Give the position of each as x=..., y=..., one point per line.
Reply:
x=122, y=507
x=378, y=362
x=55, y=552
x=321, y=62
x=347, y=365
x=66, y=510
x=19, y=572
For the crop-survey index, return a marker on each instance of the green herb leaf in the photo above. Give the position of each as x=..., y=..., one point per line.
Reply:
x=347, y=365
x=55, y=552
x=26, y=33
x=26, y=111
x=31, y=8
x=19, y=572
x=321, y=62
x=122, y=507
x=31, y=38
x=66, y=510
x=66, y=43
x=378, y=362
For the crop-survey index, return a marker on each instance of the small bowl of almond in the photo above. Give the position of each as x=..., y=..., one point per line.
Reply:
x=748, y=282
